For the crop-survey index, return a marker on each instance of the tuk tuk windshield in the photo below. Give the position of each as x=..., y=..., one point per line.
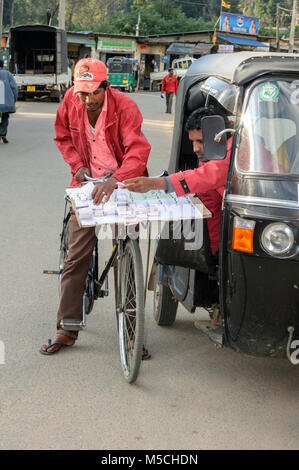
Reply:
x=269, y=139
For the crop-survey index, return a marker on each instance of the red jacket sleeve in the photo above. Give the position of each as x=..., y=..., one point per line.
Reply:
x=136, y=146
x=163, y=88
x=211, y=175
x=63, y=139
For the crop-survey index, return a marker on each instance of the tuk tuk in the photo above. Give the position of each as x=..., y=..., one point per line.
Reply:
x=123, y=73
x=257, y=273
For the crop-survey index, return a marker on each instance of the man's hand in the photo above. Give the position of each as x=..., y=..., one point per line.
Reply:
x=80, y=174
x=143, y=184
x=103, y=190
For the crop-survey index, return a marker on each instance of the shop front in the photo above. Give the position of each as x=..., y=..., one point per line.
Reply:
x=150, y=58
x=78, y=47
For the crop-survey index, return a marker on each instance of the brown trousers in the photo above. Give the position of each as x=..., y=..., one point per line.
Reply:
x=81, y=245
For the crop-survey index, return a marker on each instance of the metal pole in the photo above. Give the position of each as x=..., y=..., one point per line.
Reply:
x=277, y=28
x=61, y=14
x=1, y=19
x=137, y=25
x=293, y=24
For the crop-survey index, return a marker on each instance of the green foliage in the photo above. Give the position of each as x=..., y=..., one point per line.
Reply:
x=157, y=16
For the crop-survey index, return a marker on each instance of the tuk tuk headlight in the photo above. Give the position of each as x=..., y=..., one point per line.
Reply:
x=277, y=238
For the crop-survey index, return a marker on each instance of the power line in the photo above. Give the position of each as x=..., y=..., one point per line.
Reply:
x=191, y=3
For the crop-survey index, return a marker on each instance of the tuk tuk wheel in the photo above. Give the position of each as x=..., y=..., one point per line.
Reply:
x=165, y=305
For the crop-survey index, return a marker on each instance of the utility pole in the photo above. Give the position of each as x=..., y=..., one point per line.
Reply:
x=1, y=20
x=277, y=28
x=293, y=24
x=137, y=25
x=61, y=14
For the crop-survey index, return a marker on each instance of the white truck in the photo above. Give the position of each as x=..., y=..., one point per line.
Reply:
x=38, y=61
x=179, y=66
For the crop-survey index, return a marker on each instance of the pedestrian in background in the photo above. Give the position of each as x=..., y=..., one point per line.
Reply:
x=170, y=87
x=8, y=98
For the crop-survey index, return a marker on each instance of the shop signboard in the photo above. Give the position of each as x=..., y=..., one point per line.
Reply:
x=239, y=24
x=116, y=45
x=225, y=48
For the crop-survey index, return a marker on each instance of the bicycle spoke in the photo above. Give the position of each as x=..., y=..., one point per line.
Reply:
x=132, y=310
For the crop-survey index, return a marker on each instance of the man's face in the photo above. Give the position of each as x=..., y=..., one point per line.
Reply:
x=196, y=138
x=93, y=101
x=170, y=73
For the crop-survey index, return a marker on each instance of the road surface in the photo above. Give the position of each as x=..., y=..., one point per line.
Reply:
x=190, y=395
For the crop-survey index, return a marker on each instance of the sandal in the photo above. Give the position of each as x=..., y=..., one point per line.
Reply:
x=45, y=347
x=145, y=354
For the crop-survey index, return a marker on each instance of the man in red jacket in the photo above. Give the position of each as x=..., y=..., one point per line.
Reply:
x=98, y=132
x=170, y=87
x=208, y=181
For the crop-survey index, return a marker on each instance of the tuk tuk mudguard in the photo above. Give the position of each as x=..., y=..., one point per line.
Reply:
x=259, y=293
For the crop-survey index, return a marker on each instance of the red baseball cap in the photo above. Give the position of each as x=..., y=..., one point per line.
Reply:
x=88, y=75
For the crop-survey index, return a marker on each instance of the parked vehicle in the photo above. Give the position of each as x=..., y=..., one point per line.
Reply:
x=258, y=268
x=123, y=73
x=38, y=61
x=179, y=66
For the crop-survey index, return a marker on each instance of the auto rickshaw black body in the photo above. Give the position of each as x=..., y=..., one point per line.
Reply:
x=258, y=269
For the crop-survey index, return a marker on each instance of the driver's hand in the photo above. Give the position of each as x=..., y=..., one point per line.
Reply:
x=79, y=176
x=143, y=184
x=104, y=190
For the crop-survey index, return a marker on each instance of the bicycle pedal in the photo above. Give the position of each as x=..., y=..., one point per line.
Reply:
x=72, y=324
x=50, y=271
x=102, y=293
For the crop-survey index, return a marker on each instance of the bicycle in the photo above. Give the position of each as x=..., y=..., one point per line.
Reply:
x=130, y=295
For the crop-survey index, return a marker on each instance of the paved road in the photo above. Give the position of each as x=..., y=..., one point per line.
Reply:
x=189, y=396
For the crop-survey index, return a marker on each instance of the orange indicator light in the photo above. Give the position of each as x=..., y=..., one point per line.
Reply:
x=243, y=232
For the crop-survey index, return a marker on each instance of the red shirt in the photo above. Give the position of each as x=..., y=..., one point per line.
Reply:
x=102, y=160
x=169, y=86
x=123, y=135
x=208, y=182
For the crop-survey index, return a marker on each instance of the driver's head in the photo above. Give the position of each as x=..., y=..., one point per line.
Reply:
x=193, y=127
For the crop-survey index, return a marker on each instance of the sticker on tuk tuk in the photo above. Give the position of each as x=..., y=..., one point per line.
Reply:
x=269, y=92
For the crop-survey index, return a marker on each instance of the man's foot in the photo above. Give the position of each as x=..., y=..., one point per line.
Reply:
x=5, y=141
x=216, y=318
x=145, y=354
x=61, y=340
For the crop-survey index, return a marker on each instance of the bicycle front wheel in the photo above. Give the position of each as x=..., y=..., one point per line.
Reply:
x=131, y=309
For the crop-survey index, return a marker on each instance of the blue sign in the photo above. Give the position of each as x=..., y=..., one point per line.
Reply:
x=165, y=59
x=239, y=24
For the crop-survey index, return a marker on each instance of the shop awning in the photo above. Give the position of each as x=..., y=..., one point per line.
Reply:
x=202, y=48
x=180, y=48
x=84, y=41
x=243, y=41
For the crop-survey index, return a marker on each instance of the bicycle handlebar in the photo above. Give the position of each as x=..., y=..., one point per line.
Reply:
x=104, y=178
x=101, y=179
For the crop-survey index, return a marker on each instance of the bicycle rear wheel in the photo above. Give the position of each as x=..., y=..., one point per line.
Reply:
x=131, y=309
x=63, y=250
